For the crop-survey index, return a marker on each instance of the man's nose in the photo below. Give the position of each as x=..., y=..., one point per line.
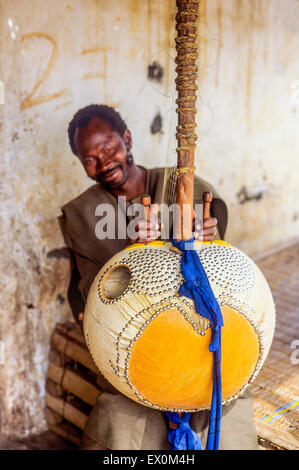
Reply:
x=102, y=160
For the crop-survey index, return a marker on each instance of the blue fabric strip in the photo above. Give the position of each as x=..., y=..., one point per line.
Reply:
x=197, y=288
x=182, y=438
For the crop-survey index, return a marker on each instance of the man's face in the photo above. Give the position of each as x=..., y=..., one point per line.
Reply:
x=104, y=153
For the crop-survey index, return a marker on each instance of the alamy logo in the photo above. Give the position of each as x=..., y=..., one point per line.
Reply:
x=124, y=221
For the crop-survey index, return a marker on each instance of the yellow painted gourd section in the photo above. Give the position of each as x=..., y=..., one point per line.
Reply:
x=163, y=243
x=171, y=364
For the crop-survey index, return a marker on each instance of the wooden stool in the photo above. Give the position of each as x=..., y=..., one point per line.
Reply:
x=71, y=384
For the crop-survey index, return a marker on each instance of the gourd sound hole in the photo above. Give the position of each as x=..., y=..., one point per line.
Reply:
x=115, y=282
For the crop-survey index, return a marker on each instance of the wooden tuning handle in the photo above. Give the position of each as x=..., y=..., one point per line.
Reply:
x=146, y=201
x=207, y=197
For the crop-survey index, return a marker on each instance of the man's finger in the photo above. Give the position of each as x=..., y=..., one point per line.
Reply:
x=145, y=240
x=149, y=234
x=154, y=210
x=210, y=222
x=198, y=236
x=209, y=231
x=145, y=225
x=206, y=234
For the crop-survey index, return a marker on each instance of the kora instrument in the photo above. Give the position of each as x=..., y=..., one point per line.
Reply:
x=153, y=347
x=148, y=341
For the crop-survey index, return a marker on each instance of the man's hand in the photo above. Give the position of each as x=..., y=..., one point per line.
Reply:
x=208, y=231
x=149, y=230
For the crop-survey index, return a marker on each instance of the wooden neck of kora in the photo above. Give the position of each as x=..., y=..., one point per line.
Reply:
x=186, y=47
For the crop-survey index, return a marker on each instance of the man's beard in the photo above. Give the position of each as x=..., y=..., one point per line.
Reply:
x=110, y=185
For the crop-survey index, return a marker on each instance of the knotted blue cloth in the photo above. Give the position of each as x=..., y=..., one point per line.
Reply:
x=183, y=437
x=197, y=288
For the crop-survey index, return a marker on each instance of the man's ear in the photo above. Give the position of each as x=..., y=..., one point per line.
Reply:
x=127, y=138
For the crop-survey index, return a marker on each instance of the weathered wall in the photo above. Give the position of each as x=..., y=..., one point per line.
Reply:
x=250, y=117
x=58, y=56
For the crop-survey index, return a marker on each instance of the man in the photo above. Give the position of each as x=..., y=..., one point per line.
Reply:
x=99, y=137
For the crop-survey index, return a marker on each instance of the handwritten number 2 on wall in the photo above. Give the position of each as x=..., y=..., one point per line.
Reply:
x=31, y=99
